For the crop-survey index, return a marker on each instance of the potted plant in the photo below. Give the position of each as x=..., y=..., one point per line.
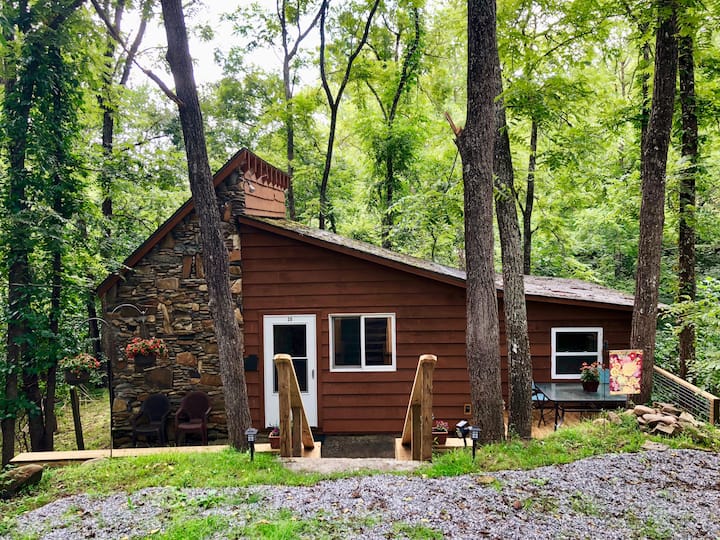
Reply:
x=78, y=368
x=590, y=376
x=144, y=350
x=440, y=431
x=274, y=437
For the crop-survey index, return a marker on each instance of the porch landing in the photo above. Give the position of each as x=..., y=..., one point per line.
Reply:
x=55, y=459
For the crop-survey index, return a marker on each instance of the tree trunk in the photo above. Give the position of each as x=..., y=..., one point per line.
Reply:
x=686, y=240
x=334, y=102
x=17, y=101
x=388, y=217
x=227, y=328
x=289, y=127
x=529, y=199
x=325, y=210
x=475, y=144
x=516, y=328
x=644, y=89
x=652, y=210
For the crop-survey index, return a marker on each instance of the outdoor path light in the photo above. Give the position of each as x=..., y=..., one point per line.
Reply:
x=461, y=430
x=475, y=436
x=251, y=434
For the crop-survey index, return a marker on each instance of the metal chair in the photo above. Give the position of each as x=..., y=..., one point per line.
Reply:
x=192, y=416
x=540, y=402
x=151, y=419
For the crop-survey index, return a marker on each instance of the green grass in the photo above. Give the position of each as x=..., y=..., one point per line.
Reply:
x=234, y=469
x=94, y=417
x=564, y=446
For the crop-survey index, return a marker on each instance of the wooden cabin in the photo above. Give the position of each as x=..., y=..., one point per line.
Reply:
x=354, y=317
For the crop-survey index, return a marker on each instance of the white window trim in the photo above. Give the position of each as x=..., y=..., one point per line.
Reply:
x=555, y=354
x=362, y=367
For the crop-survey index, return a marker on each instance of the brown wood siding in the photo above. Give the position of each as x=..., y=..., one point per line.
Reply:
x=285, y=276
x=264, y=200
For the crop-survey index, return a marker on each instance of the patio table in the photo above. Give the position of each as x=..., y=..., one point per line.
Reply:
x=570, y=396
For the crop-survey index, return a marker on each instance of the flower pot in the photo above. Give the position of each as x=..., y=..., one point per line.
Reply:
x=440, y=437
x=76, y=377
x=274, y=441
x=590, y=386
x=143, y=361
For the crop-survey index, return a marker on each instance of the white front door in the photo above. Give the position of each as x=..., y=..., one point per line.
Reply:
x=294, y=335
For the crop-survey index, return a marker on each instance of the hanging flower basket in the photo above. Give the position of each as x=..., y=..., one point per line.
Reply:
x=145, y=347
x=74, y=378
x=78, y=368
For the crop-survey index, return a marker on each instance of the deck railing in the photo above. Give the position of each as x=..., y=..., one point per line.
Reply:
x=417, y=430
x=294, y=426
x=668, y=387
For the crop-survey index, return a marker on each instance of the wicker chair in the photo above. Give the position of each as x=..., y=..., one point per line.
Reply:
x=151, y=420
x=192, y=416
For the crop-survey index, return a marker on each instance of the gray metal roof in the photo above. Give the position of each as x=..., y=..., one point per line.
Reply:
x=550, y=288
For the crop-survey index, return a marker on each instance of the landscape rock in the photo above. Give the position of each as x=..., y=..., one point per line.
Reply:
x=651, y=445
x=640, y=410
x=667, y=419
x=668, y=408
x=15, y=479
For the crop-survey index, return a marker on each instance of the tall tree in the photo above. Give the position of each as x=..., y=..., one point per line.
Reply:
x=652, y=211
x=34, y=135
x=355, y=45
x=228, y=331
x=516, y=325
x=476, y=145
x=291, y=15
x=398, y=51
x=687, y=194
x=289, y=24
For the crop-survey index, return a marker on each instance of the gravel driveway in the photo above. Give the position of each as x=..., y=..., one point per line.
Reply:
x=654, y=494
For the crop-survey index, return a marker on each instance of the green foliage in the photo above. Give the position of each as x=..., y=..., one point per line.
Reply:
x=416, y=532
x=704, y=315
x=564, y=446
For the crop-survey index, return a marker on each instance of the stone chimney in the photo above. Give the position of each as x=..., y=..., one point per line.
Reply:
x=264, y=187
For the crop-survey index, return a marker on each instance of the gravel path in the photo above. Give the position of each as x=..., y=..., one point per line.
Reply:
x=654, y=494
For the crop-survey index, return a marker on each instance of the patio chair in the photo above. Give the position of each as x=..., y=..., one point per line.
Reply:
x=151, y=420
x=192, y=416
x=540, y=402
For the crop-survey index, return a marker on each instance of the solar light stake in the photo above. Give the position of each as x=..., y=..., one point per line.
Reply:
x=475, y=436
x=251, y=434
x=461, y=430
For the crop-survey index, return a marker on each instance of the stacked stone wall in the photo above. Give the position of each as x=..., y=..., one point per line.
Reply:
x=167, y=296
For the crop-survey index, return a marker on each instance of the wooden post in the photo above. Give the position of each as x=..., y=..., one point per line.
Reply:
x=427, y=361
x=416, y=427
x=285, y=412
x=75, y=404
x=417, y=431
x=295, y=430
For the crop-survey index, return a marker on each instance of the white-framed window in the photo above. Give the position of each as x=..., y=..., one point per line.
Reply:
x=362, y=342
x=573, y=346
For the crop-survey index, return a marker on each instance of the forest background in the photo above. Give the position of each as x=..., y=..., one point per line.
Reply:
x=373, y=156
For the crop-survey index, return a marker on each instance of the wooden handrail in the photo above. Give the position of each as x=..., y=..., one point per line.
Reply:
x=713, y=401
x=417, y=430
x=294, y=425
